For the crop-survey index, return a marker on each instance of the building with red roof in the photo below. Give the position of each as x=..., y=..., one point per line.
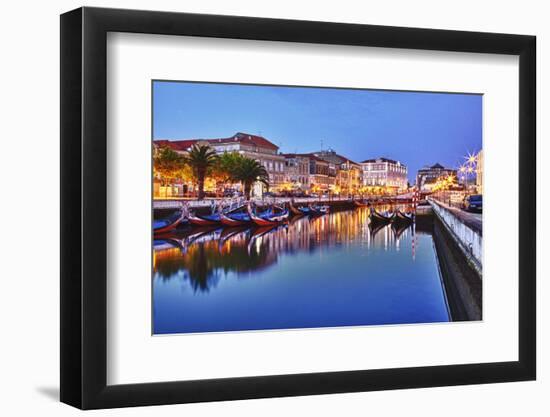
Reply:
x=251, y=146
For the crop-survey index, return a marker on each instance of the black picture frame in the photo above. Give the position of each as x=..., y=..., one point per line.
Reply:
x=84, y=207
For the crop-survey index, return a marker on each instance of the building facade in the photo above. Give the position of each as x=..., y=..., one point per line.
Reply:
x=427, y=177
x=251, y=146
x=348, y=174
x=296, y=172
x=320, y=172
x=384, y=172
x=322, y=175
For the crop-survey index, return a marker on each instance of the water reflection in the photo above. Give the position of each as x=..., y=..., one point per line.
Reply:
x=204, y=252
x=204, y=277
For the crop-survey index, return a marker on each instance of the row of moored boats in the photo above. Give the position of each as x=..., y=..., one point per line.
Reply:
x=244, y=215
x=250, y=214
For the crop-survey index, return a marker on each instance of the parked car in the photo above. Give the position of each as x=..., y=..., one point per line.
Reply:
x=473, y=203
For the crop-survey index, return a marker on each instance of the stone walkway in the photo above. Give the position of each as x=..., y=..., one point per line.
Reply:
x=472, y=220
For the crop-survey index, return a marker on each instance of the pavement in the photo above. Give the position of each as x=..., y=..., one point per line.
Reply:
x=470, y=219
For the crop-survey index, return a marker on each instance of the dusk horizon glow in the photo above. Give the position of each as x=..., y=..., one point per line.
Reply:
x=416, y=128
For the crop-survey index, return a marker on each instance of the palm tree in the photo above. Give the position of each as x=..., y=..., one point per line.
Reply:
x=225, y=169
x=250, y=171
x=201, y=159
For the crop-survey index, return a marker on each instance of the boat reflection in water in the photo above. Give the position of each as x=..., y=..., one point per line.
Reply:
x=333, y=270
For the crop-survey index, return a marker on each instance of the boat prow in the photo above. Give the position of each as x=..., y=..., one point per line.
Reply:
x=295, y=210
x=165, y=226
x=376, y=216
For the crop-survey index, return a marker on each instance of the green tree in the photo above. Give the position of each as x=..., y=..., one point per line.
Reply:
x=201, y=159
x=249, y=171
x=227, y=165
x=168, y=164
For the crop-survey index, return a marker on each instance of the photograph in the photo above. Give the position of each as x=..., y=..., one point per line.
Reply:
x=272, y=209
x=300, y=207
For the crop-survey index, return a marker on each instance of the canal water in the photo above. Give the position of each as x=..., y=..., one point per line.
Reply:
x=328, y=271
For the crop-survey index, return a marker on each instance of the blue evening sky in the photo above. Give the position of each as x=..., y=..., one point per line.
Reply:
x=415, y=128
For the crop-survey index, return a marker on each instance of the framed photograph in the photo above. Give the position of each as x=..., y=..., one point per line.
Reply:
x=256, y=208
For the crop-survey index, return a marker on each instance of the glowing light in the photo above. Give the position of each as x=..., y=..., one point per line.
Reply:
x=471, y=158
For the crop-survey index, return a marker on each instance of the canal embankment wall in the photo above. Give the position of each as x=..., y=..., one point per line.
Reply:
x=468, y=237
x=461, y=279
x=463, y=285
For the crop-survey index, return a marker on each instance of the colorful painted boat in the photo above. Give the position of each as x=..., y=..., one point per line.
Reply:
x=376, y=216
x=295, y=210
x=305, y=210
x=310, y=209
x=235, y=219
x=269, y=219
x=166, y=225
x=205, y=220
x=318, y=210
x=403, y=217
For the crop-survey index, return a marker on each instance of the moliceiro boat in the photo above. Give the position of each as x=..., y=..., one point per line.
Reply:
x=270, y=217
x=235, y=219
x=295, y=210
x=166, y=225
x=377, y=216
x=404, y=217
x=310, y=209
x=205, y=220
x=229, y=216
x=241, y=217
x=316, y=210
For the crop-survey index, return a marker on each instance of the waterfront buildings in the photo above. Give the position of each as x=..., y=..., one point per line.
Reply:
x=426, y=178
x=328, y=172
x=384, y=172
x=347, y=173
x=251, y=146
x=296, y=172
x=320, y=172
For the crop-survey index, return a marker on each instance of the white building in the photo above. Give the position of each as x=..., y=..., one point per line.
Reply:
x=384, y=172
